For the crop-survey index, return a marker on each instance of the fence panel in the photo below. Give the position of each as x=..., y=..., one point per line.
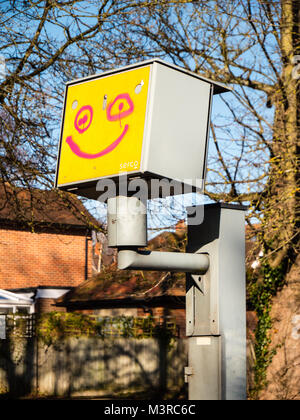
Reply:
x=75, y=364
x=22, y=326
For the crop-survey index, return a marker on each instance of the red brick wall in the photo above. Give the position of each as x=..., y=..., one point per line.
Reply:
x=41, y=259
x=47, y=305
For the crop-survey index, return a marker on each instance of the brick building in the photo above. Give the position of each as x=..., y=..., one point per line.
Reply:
x=116, y=292
x=45, y=243
x=130, y=293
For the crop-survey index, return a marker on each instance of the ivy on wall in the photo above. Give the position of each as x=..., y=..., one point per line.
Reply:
x=54, y=326
x=261, y=291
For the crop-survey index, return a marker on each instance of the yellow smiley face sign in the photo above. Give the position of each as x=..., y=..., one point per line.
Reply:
x=103, y=126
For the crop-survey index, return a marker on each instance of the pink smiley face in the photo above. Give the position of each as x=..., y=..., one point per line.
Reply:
x=84, y=118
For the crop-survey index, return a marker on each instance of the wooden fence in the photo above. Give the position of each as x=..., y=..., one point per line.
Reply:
x=94, y=365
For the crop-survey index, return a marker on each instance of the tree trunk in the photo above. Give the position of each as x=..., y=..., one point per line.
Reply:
x=280, y=201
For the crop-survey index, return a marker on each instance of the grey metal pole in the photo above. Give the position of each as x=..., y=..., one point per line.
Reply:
x=215, y=296
x=127, y=230
x=163, y=261
x=126, y=222
x=216, y=307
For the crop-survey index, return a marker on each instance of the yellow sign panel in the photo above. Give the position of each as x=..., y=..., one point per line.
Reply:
x=103, y=126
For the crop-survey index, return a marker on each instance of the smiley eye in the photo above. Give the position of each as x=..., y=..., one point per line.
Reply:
x=120, y=114
x=83, y=119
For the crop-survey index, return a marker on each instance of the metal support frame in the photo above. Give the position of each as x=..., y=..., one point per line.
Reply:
x=126, y=222
x=215, y=294
x=163, y=261
x=216, y=307
x=127, y=230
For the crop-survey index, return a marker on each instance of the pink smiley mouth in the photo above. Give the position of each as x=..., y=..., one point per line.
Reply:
x=77, y=151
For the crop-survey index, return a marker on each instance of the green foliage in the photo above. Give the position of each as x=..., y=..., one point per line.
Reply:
x=261, y=292
x=19, y=326
x=54, y=326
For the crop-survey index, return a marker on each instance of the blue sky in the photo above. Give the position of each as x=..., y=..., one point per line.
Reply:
x=229, y=134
